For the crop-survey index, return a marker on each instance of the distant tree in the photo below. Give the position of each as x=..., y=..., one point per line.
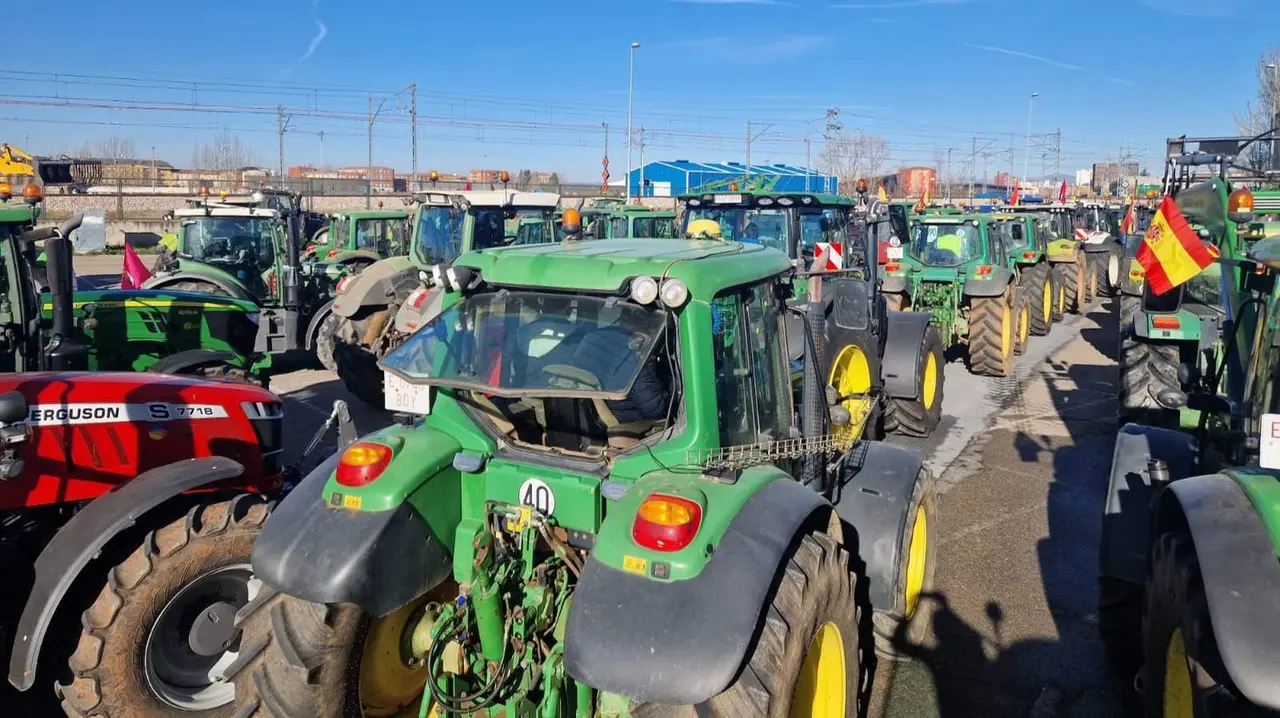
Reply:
x=1261, y=114
x=852, y=156
x=524, y=179
x=111, y=149
x=554, y=180
x=224, y=152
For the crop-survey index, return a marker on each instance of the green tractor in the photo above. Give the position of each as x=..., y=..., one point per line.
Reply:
x=613, y=506
x=1068, y=255
x=623, y=221
x=828, y=236
x=162, y=331
x=1167, y=341
x=250, y=250
x=1097, y=227
x=358, y=238
x=1189, y=570
x=1028, y=248
x=375, y=310
x=959, y=269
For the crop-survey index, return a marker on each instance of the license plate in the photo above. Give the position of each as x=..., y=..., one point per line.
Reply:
x=894, y=253
x=728, y=199
x=404, y=397
x=1269, y=442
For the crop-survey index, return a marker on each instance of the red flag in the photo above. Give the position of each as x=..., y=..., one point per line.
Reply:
x=1062, y=193
x=1130, y=220
x=1013, y=200
x=135, y=272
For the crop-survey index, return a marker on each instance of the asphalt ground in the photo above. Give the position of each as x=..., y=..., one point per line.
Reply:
x=1022, y=466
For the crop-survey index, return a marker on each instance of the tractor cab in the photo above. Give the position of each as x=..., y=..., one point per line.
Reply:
x=358, y=238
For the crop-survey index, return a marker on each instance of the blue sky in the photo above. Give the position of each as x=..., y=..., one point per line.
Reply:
x=505, y=85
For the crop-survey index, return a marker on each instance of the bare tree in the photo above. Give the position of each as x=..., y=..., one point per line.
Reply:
x=1264, y=112
x=111, y=149
x=225, y=152
x=850, y=157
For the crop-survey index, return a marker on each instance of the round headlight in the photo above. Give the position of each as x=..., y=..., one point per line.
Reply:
x=644, y=290
x=674, y=293
x=786, y=201
x=764, y=201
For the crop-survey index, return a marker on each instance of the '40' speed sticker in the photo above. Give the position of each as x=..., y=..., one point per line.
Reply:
x=78, y=414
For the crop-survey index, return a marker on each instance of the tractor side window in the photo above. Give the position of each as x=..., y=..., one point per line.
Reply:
x=619, y=229
x=369, y=233
x=439, y=234
x=752, y=375
x=998, y=249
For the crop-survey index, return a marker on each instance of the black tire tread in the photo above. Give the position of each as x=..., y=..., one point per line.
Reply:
x=217, y=522
x=1070, y=276
x=892, y=640
x=1033, y=280
x=1146, y=368
x=909, y=417
x=986, y=336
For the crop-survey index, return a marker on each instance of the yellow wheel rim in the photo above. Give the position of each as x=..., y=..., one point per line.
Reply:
x=1048, y=302
x=1062, y=300
x=1024, y=322
x=1006, y=330
x=820, y=691
x=851, y=377
x=1179, y=697
x=389, y=686
x=917, y=560
x=929, y=391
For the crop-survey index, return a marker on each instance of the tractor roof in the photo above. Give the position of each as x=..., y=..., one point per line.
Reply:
x=359, y=214
x=491, y=198
x=22, y=212
x=752, y=197
x=952, y=218
x=216, y=209
x=605, y=265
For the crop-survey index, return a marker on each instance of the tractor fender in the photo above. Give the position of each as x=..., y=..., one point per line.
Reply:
x=893, y=285
x=378, y=560
x=408, y=319
x=903, y=344
x=1103, y=247
x=82, y=538
x=875, y=496
x=374, y=286
x=682, y=642
x=1126, y=517
x=313, y=328
x=1240, y=573
x=994, y=285
x=164, y=281
x=184, y=360
x=1063, y=250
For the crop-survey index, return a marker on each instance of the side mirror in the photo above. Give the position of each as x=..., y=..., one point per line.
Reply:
x=91, y=235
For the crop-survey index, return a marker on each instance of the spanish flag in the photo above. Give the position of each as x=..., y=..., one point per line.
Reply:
x=1129, y=222
x=923, y=204
x=1172, y=252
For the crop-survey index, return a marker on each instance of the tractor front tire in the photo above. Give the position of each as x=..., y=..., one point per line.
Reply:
x=1092, y=277
x=806, y=659
x=1022, y=323
x=896, y=635
x=1071, y=276
x=1146, y=369
x=1120, y=624
x=919, y=416
x=325, y=339
x=1038, y=285
x=991, y=334
x=358, y=369
x=134, y=655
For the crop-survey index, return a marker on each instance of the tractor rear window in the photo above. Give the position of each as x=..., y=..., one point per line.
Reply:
x=654, y=227
x=743, y=224
x=945, y=245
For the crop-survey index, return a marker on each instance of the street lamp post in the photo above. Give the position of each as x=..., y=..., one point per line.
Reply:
x=1026, y=144
x=631, y=84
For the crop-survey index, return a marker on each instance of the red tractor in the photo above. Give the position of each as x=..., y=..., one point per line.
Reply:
x=143, y=494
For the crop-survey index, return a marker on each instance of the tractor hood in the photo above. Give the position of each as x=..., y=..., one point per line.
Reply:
x=153, y=299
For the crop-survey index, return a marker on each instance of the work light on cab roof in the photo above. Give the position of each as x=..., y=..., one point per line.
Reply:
x=1240, y=206
x=32, y=193
x=6, y=191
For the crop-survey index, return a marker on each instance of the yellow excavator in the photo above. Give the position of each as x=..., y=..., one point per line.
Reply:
x=20, y=167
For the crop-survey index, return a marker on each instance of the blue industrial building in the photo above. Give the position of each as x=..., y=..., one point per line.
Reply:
x=677, y=177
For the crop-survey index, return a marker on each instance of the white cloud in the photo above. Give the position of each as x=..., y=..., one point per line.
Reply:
x=1027, y=55
x=321, y=32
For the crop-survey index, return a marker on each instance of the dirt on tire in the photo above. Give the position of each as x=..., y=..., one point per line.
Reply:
x=987, y=323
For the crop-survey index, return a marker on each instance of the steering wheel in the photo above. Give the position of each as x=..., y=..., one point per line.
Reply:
x=564, y=376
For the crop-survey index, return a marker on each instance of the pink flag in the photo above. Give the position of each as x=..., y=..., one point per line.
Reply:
x=135, y=272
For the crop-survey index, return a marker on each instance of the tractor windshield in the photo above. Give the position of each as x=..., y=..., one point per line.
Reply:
x=745, y=224
x=945, y=245
x=240, y=241
x=510, y=343
x=383, y=235
x=438, y=235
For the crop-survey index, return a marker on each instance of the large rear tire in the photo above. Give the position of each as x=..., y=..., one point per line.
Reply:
x=1071, y=276
x=1092, y=276
x=1038, y=285
x=1146, y=369
x=991, y=333
x=1022, y=323
x=806, y=660
x=181, y=587
x=358, y=369
x=1120, y=624
x=324, y=341
x=919, y=416
x=897, y=635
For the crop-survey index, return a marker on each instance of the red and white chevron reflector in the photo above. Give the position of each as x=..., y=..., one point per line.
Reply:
x=835, y=254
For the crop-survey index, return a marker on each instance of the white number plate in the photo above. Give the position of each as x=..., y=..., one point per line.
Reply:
x=402, y=396
x=894, y=253
x=1269, y=455
x=728, y=199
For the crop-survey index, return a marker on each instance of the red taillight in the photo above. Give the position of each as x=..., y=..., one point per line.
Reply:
x=982, y=270
x=1028, y=256
x=417, y=298
x=273, y=283
x=892, y=267
x=666, y=523
x=1166, y=323
x=309, y=249
x=342, y=283
x=332, y=253
x=362, y=462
